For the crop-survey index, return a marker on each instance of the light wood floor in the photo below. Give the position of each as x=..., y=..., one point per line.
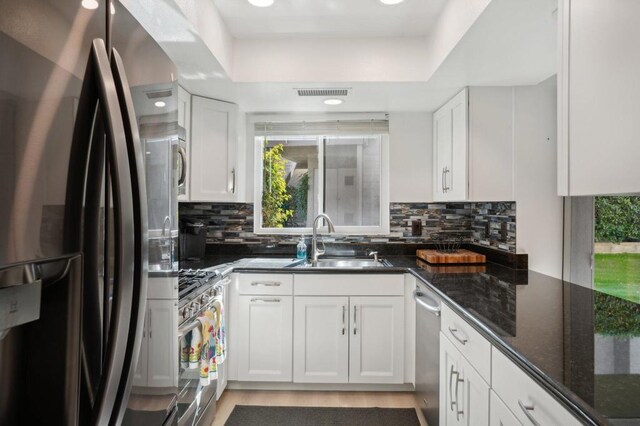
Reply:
x=231, y=398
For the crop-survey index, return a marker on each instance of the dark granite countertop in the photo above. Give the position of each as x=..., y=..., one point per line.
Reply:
x=582, y=345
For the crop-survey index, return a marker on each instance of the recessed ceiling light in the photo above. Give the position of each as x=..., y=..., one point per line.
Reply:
x=333, y=101
x=391, y=2
x=89, y=4
x=160, y=104
x=261, y=3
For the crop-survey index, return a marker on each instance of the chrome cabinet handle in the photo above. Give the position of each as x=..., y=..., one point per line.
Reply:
x=266, y=283
x=453, y=332
x=265, y=300
x=442, y=181
x=233, y=180
x=458, y=410
x=344, y=312
x=150, y=327
x=435, y=309
x=451, y=373
x=527, y=409
x=355, y=325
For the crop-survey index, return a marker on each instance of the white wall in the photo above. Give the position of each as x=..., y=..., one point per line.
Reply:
x=410, y=151
x=539, y=211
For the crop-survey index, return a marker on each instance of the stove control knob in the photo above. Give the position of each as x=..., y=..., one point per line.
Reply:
x=186, y=313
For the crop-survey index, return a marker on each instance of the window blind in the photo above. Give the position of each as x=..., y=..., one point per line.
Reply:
x=317, y=128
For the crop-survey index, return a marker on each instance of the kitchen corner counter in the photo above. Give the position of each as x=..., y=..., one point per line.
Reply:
x=583, y=346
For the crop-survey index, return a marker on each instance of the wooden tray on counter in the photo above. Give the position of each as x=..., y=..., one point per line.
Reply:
x=461, y=256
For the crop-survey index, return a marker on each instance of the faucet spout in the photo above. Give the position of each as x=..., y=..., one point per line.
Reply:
x=315, y=252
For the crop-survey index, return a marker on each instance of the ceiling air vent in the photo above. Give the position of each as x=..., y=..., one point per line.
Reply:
x=159, y=94
x=323, y=92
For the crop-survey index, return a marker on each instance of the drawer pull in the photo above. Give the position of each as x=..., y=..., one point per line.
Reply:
x=453, y=332
x=344, y=312
x=527, y=409
x=265, y=300
x=266, y=283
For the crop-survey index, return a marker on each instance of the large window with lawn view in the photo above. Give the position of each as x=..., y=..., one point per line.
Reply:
x=337, y=168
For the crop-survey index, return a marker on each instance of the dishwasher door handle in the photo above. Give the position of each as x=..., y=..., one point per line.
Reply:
x=419, y=298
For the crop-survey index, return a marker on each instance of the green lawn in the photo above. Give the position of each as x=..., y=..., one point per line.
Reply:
x=618, y=275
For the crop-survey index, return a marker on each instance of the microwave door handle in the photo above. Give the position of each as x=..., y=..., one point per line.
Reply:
x=139, y=244
x=183, y=169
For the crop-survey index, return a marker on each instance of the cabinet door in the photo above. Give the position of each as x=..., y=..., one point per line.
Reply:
x=599, y=91
x=464, y=395
x=442, y=148
x=321, y=340
x=449, y=370
x=163, y=344
x=450, y=150
x=376, y=339
x=264, y=336
x=213, y=150
x=140, y=374
x=184, y=121
x=499, y=414
x=472, y=396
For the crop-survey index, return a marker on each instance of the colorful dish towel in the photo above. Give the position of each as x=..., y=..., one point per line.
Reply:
x=185, y=348
x=195, y=348
x=221, y=336
x=208, y=368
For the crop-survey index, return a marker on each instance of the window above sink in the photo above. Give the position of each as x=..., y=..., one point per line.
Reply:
x=337, y=167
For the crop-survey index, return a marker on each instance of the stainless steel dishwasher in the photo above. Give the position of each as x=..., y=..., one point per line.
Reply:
x=428, y=352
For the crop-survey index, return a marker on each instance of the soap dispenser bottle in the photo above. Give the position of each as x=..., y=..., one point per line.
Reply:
x=301, y=252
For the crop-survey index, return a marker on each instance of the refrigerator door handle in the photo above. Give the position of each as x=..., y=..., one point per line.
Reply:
x=99, y=109
x=139, y=218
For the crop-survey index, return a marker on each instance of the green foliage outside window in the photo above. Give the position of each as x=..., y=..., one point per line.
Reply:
x=274, y=188
x=617, y=219
x=616, y=317
x=298, y=202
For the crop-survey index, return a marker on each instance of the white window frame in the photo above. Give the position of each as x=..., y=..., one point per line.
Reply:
x=382, y=229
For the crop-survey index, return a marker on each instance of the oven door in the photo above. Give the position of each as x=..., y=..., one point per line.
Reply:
x=196, y=403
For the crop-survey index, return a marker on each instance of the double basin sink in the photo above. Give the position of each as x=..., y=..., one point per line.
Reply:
x=343, y=263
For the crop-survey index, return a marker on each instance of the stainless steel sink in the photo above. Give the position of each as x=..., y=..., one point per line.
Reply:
x=348, y=263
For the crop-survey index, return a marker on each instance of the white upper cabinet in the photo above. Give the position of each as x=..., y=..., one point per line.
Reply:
x=474, y=146
x=213, y=161
x=450, y=150
x=598, y=108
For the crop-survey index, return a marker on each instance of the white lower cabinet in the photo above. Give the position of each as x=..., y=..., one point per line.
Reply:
x=499, y=414
x=376, y=339
x=158, y=359
x=321, y=336
x=464, y=395
x=528, y=401
x=264, y=338
x=340, y=339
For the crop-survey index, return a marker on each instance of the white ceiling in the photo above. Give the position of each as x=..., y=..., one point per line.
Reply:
x=329, y=18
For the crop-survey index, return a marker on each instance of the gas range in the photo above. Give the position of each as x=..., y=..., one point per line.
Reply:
x=190, y=280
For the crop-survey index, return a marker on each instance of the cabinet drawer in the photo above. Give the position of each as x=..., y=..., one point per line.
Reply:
x=265, y=284
x=469, y=342
x=527, y=400
x=499, y=414
x=349, y=285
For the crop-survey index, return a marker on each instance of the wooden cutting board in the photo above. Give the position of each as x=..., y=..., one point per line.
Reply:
x=461, y=256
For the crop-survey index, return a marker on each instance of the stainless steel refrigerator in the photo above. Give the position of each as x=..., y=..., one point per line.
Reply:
x=77, y=77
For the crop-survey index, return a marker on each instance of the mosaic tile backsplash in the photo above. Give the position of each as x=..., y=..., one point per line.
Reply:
x=490, y=224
